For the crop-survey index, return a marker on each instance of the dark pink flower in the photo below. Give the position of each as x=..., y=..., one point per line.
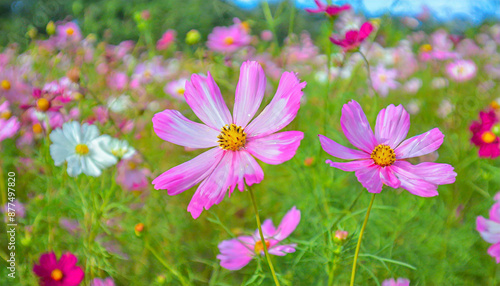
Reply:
x=353, y=38
x=166, y=40
x=382, y=157
x=330, y=10
x=58, y=273
x=485, y=134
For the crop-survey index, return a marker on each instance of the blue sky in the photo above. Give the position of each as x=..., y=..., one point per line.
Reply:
x=443, y=10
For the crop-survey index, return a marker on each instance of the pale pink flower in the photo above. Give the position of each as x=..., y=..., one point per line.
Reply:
x=67, y=33
x=235, y=138
x=9, y=125
x=176, y=88
x=229, y=39
x=237, y=252
x=130, y=176
x=489, y=229
x=383, y=79
x=461, y=70
x=382, y=157
x=399, y=282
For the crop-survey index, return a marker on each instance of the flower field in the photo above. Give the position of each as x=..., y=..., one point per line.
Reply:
x=361, y=152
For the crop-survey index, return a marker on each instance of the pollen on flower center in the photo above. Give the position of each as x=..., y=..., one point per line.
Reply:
x=488, y=137
x=70, y=31
x=426, y=48
x=259, y=246
x=81, y=149
x=460, y=70
x=56, y=274
x=383, y=78
x=232, y=137
x=5, y=84
x=383, y=155
x=180, y=91
x=6, y=114
x=228, y=41
x=42, y=104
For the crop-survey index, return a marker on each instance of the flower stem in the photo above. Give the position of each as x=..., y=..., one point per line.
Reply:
x=254, y=202
x=353, y=274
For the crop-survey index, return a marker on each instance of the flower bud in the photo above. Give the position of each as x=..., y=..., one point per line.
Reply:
x=193, y=37
x=51, y=28
x=138, y=229
x=340, y=236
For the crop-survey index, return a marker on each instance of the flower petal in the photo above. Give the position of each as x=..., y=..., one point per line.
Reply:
x=420, y=145
x=435, y=173
x=245, y=167
x=213, y=189
x=234, y=255
x=392, y=125
x=494, y=251
x=249, y=92
x=288, y=224
x=282, y=250
x=351, y=166
x=369, y=177
x=488, y=229
x=388, y=178
x=172, y=126
x=282, y=109
x=365, y=31
x=413, y=183
x=204, y=97
x=356, y=127
x=186, y=175
x=275, y=148
x=336, y=150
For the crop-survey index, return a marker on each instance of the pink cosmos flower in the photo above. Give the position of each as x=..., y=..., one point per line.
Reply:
x=330, y=10
x=103, y=282
x=238, y=252
x=383, y=79
x=399, y=282
x=130, y=177
x=485, y=134
x=117, y=80
x=176, y=88
x=301, y=52
x=489, y=229
x=353, y=38
x=461, y=70
x=57, y=273
x=229, y=39
x=382, y=156
x=9, y=125
x=68, y=33
x=166, y=40
x=235, y=138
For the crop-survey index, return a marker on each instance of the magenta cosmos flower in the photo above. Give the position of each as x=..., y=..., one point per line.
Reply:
x=58, y=273
x=229, y=39
x=238, y=252
x=330, y=10
x=235, y=138
x=382, y=156
x=485, y=134
x=167, y=39
x=353, y=38
x=398, y=282
x=489, y=229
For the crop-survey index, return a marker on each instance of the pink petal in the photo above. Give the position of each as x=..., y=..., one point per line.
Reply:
x=388, y=178
x=365, y=31
x=495, y=212
x=172, y=126
x=351, y=166
x=268, y=228
x=282, y=109
x=245, y=167
x=282, y=250
x=435, y=173
x=488, y=229
x=204, y=97
x=249, y=92
x=276, y=148
x=356, y=127
x=336, y=150
x=392, y=125
x=494, y=251
x=184, y=176
x=213, y=189
x=67, y=261
x=420, y=145
x=413, y=183
x=73, y=277
x=234, y=255
x=288, y=224
x=369, y=177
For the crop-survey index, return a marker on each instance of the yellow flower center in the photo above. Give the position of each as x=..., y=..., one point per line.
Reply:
x=6, y=114
x=232, y=137
x=147, y=74
x=460, y=70
x=382, y=77
x=37, y=128
x=259, y=246
x=426, y=48
x=245, y=26
x=228, y=41
x=81, y=149
x=132, y=165
x=42, y=104
x=5, y=84
x=383, y=155
x=181, y=91
x=495, y=105
x=56, y=274
x=70, y=31
x=488, y=137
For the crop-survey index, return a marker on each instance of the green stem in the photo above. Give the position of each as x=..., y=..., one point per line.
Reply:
x=270, y=21
x=262, y=236
x=353, y=274
x=174, y=272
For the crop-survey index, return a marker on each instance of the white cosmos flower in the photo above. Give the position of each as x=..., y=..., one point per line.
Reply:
x=119, y=104
x=120, y=148
x=82, y=147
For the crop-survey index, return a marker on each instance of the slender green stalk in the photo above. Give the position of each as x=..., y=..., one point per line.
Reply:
x=169, y=268
x=270, y=21
x=353, y=274
x=262, y=236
